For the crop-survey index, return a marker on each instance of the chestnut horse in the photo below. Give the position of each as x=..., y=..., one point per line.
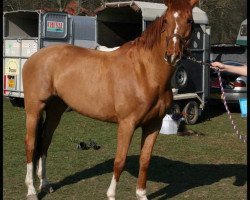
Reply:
x=129, y=86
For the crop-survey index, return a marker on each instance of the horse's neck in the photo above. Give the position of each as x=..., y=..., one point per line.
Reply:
x=154, y=56
x=151, y=58
x=156, y=51
x=155, y=65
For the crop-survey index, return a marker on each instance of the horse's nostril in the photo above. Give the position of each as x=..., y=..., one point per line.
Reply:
x=166, y=56
x=173, y=58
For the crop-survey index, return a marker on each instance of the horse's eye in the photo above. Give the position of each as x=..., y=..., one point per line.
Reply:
x=165, y=21
x=190, y=21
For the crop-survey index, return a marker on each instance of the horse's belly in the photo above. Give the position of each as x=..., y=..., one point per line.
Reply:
x=87, y=89
x=91, y=103
x=94, y=110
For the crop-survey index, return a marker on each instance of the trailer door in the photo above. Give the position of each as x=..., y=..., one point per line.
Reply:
x=55, y=28
x=84, y=33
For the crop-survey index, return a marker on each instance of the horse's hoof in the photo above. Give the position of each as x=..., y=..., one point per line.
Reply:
x=47, y=189
x=32, y=197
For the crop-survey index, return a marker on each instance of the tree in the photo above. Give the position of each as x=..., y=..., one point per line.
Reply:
x=224, y=16
x=62, y=4
x=91, y=4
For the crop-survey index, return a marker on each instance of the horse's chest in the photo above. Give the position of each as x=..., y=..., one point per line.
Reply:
x=159, y=106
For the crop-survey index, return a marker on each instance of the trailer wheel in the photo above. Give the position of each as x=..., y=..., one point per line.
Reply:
x=191, y=111
x=179, y=79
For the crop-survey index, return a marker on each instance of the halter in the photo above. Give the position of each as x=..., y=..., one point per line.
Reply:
x=184, y=41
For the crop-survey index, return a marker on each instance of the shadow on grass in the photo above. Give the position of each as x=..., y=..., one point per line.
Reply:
x=214, y=109
x=178, y=176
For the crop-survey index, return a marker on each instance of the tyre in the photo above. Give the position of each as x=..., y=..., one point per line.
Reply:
x=179, y=79
x=191, y=112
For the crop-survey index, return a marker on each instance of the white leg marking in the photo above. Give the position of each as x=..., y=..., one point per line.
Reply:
x=29, y=179
x=41, y=172
x=141, y=194
x=112, y=189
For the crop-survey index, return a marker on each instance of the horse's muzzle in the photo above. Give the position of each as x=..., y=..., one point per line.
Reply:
x=172, y=59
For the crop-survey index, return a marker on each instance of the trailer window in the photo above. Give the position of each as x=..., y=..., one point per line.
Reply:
x=21, y=24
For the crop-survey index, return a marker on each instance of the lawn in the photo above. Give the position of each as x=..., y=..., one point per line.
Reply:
x=213, y=166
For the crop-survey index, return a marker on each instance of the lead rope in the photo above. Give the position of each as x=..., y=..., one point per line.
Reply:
x=241, y=137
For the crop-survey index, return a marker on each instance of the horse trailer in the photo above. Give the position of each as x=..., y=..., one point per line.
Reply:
x=25, y=32
x=116, y=23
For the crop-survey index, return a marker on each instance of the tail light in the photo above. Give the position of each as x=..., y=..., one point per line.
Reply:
x=239, y=83
x=215, y=83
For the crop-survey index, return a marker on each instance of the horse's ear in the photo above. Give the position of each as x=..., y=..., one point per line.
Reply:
x=168, y=2
x=193, y=2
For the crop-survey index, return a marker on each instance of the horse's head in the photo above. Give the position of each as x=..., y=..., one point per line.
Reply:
x=177, y=27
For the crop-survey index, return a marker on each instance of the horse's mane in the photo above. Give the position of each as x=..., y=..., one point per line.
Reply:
x=152, y=34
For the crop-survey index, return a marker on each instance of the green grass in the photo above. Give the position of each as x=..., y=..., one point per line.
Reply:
x=191, y=167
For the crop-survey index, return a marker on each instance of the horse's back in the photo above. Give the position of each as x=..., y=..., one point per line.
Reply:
x=38, y=71
x=79, y=76
x=48, y=63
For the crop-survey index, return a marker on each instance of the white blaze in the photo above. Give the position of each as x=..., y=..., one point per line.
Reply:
x=176, y=15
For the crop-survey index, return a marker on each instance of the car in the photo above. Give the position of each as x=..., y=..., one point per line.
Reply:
x=235, y=86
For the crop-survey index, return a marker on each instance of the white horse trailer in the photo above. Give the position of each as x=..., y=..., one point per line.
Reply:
x=25, y=32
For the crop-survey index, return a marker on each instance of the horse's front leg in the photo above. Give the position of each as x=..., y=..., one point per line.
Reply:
x=149, y=135
x=125, y=133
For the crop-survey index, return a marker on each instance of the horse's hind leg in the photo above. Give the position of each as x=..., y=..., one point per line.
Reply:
x=54, y=110
x=149, y=135
x=33, y=115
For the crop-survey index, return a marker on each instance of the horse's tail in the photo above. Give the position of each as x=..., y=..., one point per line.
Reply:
x=38, y=142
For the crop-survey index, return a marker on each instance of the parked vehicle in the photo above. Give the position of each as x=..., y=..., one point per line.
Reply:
x=235, y=86
x=242, y=35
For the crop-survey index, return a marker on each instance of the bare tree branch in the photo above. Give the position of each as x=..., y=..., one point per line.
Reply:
x=224, y=16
